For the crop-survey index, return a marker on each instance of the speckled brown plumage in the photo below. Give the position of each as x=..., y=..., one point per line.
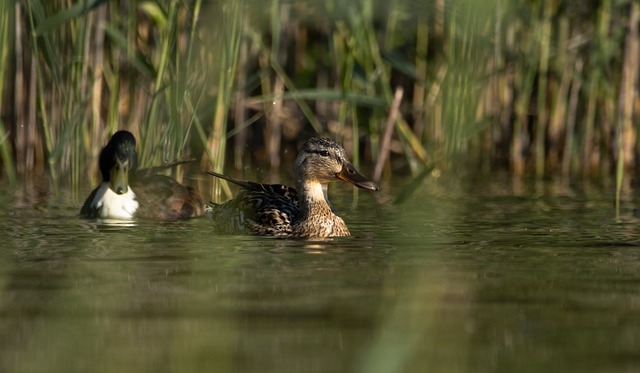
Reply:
x=279, y=210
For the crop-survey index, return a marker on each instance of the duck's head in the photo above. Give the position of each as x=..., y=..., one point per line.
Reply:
x=324, y=160
x=117, y=160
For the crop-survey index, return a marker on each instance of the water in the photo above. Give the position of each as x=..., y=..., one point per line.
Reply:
x=470, y=275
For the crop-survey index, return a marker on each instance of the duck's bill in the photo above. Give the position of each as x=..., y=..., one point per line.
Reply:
x=120, y=177
x=352, y=176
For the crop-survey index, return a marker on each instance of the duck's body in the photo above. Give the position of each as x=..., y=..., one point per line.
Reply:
x=127, y=193
x=279, y=210
x=260, y=209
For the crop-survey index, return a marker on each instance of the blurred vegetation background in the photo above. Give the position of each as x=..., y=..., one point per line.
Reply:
x=544, y=88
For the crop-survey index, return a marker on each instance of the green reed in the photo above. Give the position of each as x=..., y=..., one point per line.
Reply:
x=6, y=27
x=97, y=67
x=532, y=86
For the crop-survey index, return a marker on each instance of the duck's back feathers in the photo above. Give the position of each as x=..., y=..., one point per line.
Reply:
x=283, y=190
x=163, y=198
x=261, y=209
x=88, y=211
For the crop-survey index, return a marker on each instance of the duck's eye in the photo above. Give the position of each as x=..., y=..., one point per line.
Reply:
x=324, y=153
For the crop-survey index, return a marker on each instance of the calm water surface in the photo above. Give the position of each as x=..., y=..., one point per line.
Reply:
x=465, y=276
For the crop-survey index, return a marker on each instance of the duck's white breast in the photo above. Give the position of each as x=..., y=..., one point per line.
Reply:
x=111, y=205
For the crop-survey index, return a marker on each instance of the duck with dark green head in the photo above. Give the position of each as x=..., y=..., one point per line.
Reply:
x=127, y=193
x=303, y=211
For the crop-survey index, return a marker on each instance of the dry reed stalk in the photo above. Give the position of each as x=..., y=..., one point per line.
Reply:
x=419, y=87
x=558, y=117
x=20, y=95
x=386, y=139
x=625, y=133
x=278, y=56
x=273, y=136
x=434, y=91
x=516, y=160
x=240, y=113
x=29, y=127
x=6, y=149
x=574, y=96
x=434, y=111
x=588, y=141
x=97, y=86
x=541, y=104
x=628, y=86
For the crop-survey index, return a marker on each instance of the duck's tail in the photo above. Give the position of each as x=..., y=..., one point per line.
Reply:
x=242, y=183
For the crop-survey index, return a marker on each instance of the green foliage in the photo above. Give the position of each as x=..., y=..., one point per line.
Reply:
x=6, y=15
x=490, y=82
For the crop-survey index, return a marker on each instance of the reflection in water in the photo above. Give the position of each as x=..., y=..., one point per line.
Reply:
x=452, y=280
x=113, y=223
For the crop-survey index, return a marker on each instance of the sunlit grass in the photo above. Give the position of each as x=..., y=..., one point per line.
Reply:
x=6, y=150
x=530, y=86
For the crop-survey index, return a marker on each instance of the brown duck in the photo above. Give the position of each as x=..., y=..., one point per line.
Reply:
x=279, y=210
x=127, y=193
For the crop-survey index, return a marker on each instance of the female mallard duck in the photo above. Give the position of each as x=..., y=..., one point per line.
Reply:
x=127, y=193
x=279, y=210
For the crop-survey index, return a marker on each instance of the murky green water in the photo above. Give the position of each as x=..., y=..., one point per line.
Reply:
x=466, y=276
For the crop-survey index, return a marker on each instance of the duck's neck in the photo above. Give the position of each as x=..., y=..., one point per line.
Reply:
x=316, y=217
x=313, y=200
x=312, y=192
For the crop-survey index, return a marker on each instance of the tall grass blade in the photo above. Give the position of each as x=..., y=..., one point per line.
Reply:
x=74, y=11
x=6, y=150
x=136, y=60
